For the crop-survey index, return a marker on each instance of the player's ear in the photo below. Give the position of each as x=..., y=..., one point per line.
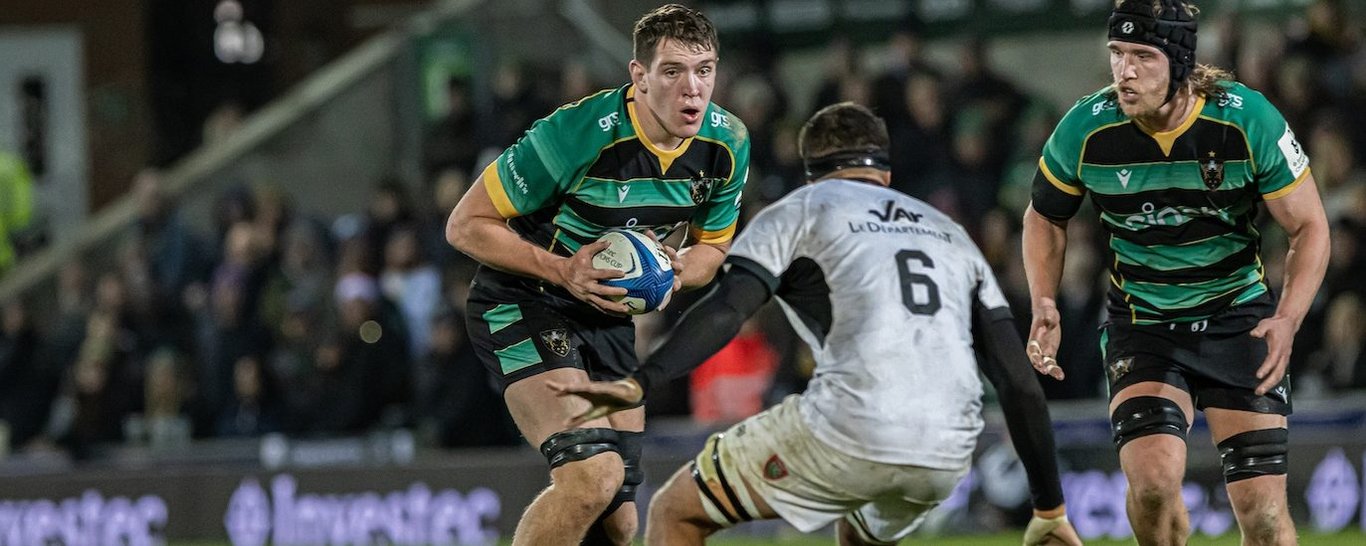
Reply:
x=637, y=71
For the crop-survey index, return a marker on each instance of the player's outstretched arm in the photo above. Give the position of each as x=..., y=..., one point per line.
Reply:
x=1044, y=243
x=476, y=228
x=704, y=329
x=1022, y=402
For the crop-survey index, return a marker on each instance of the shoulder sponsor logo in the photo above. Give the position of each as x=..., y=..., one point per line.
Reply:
x=609, y=121
x=621, y=193
x=719, y=120
x=1295, y=157
x=517, y=177
x=1123, y=177
x=1229, y=100
x=1102, y=106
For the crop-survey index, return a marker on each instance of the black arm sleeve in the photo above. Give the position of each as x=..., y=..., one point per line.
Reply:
x=1022, y=401
x=707, y=327
x=1051, y=202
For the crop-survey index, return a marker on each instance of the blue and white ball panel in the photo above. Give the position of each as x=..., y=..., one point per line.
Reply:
x=649, y=274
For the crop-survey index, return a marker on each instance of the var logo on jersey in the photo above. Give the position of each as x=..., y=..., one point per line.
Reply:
x=891, y=213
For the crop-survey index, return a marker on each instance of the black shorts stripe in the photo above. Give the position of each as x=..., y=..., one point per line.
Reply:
x=1222, y=269
x=702, y=486
x=725, y=484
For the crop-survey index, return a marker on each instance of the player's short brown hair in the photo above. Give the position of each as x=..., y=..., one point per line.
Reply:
x=674, y=22
x=842, y=127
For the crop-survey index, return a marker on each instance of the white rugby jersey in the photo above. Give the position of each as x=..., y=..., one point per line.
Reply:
x=882, y=287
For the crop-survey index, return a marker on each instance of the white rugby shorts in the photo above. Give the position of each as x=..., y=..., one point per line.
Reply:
x=811, y=484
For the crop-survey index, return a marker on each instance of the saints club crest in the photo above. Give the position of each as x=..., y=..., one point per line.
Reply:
x=701, y=188
x=557, y=341
x=1121, y=367
x=1212, y=171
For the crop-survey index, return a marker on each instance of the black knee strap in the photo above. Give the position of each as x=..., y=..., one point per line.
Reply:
x=578, y=444
x=1254, y=453
x=629, y=445
x=1145, y=415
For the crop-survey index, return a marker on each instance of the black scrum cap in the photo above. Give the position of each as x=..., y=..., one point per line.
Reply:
x=1171, y=30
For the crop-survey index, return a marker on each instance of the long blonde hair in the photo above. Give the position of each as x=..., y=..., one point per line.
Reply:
x=1208, y=80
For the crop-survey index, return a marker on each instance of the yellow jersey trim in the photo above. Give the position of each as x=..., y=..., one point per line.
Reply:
x=1167, y=139
x=493, y=184
x=666, y=157
x=1043, y=168
x=721, y=236
x=1286, y=190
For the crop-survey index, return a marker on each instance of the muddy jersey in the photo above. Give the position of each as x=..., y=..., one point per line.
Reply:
x=587, y=168
x=882, y=287
x=1179, y=206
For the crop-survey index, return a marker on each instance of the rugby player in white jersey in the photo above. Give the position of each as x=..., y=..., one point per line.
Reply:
x=892, y=297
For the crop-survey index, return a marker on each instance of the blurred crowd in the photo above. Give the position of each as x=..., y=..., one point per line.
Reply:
x=274, y=320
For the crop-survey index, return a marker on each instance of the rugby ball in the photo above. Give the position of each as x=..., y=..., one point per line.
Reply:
x=649, y=273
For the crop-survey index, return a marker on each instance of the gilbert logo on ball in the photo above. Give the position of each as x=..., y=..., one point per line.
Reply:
x=648, y=272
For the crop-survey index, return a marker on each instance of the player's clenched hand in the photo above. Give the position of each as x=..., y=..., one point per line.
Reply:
x=673, y=259
x=580, y=278
x=1279, y=333
x=1045, y=332
x=1050, y=531
x=605, y=396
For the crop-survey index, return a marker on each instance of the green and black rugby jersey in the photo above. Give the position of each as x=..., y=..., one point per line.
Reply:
x=1178, y=205
x=587, y=168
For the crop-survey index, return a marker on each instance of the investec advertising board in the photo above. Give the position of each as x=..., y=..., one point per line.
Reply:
x=468, y=499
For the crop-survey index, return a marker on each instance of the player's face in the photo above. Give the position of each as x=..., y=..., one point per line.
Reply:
x=677, y=86
x=1140, y=73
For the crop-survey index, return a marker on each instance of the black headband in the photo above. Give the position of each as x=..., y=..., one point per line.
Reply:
x=875, y=158
x=1172, y=31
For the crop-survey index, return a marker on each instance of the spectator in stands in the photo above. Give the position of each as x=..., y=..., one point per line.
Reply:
x=164, y=421
x=452, y=143
x=28, y=381
x=16, y=204
x=1340, y=365
x=302, y=277
x=920, y=134
x=255, y=408
x=228, y=328
x=457, y=404
x=102, y=388
x=177, y=256
x=413, y=284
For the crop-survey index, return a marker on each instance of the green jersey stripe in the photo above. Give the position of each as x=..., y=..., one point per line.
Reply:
x=1223, y=268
